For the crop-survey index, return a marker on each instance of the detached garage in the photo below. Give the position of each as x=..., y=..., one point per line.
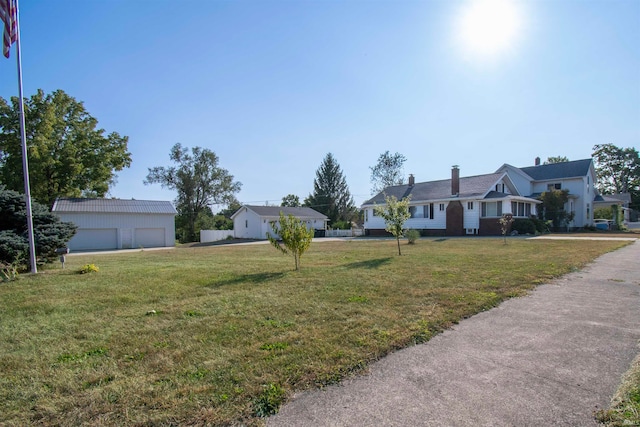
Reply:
x=118, y=224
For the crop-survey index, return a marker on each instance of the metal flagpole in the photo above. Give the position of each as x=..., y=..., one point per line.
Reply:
x=25, y=162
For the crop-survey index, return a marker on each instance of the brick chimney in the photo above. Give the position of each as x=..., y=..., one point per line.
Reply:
x=412, y=180
x=455, y=180
x=537, y=161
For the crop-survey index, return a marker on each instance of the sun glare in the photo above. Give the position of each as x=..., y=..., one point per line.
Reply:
x=488, y=27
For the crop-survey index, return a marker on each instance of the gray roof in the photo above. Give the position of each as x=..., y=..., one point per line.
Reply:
x=113, y=206
x=573, y=169
x=472, y=186
x=274, y=211
x=614, y=198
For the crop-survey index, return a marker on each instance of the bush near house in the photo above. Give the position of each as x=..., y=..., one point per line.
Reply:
x=524, y=226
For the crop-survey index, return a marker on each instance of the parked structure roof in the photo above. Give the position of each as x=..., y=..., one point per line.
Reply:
x=274, y=211
x=575, y=168
x=471, y=186
x=80, y=205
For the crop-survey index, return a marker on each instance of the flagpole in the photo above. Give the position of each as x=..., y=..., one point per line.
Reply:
x=25, y=161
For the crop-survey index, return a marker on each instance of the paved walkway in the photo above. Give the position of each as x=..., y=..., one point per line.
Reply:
x=548, y=359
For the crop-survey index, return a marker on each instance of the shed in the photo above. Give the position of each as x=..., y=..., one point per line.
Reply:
x=253, y=222
x=118, y=224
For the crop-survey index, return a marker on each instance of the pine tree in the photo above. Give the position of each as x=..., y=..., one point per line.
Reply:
x=331, y=194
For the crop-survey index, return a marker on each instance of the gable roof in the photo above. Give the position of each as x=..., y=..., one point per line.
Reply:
x=274, y=211
x=572, y=169
x=79, y=205
x=471, y=186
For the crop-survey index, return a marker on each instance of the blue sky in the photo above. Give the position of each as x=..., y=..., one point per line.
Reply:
x=273, y=86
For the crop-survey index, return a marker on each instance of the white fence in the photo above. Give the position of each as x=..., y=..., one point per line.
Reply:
x=214, y=235
x=355, y=232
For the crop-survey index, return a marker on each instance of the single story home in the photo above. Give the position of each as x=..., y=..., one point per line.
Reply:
x=253, y=222
x=623, y=200
x=118, y=224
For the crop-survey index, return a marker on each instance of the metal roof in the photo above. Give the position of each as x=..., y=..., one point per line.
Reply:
x=78, y=205
x=471, y=186
x=573, y=169
x=274, y=211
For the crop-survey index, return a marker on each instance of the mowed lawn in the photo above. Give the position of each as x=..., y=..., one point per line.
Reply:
x=235, y=329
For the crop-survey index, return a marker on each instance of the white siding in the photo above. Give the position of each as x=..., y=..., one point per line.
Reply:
x=94, y=239
x=124, y=226
x=149, y=238
x=248, y=225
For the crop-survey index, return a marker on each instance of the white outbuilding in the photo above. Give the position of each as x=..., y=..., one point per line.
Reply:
x=118, y=224
x=253, y=222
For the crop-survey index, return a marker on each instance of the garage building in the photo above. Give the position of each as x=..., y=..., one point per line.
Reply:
x=118, y=224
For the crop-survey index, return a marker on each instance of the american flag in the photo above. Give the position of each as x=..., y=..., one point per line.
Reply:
x=8, y=10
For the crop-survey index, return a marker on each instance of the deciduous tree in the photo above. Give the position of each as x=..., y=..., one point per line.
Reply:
x=618, y=171
x=69, y=156
x=199, y=182
x=296, y=237
x=387, y=172
x=290, y=200
x=556, y=159
x=331, y=194
x=395, y=213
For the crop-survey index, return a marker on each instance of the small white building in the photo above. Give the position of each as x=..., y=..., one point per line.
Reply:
x=118, y=224
x=253, y=222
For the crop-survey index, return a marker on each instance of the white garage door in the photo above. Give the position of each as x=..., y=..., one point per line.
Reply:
x=149, y=237
x=94, y=239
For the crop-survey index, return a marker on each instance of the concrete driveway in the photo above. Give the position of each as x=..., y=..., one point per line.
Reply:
x=548, y=359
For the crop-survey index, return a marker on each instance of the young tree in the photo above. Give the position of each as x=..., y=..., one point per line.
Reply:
x=553, y=203
x=291, y=200
x=49, y=232
x=296, y=237
x=618, y=171
x=387, y=172
x=69, y=156
x=556, y=159
x=199, y=182
x=395, y=213
x=505, y=224
x=331, y=194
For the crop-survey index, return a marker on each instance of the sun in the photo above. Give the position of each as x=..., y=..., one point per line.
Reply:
x=488, y=27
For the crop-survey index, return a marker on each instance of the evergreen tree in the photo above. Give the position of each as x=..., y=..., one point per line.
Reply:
x=331, y=194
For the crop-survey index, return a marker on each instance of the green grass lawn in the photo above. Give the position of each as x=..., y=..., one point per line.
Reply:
x=235, y=329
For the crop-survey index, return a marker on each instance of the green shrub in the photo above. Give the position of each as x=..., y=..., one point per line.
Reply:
x=541, y=225
x=603, y=213
x=269, y=400
x=341, y=225
x=524, y=226
x=412, y=235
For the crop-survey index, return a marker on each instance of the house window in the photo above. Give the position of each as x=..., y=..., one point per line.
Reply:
x=492, y=209
x=469, y=206
x=246, y=223
x=366, y=214
x=521, y=209
x=431, y=210
x=416, y=211
x=373, y=212
x=441, y=207
x=500, y=188
x=556, y=186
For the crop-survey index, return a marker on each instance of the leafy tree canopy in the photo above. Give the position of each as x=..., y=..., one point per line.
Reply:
x=395, y=213
x=553, y=203
x=387, y=172
x=199, y=182
x=49, y=232
x=618, y=171
x=296, y=237
x=556, y=159
x=291, y=200
x=69, y=156
x=331, y=194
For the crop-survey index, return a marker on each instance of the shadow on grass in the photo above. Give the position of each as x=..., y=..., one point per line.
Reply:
x=246, y=278
x=372, y=263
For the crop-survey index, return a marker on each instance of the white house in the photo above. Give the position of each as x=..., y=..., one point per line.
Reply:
x=456, y=206
x=578, y=177
x=253, y=222
x=118, y=224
